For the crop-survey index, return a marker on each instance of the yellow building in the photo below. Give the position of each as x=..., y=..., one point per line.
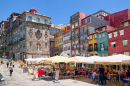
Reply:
x=58, y=39
x=92, y=44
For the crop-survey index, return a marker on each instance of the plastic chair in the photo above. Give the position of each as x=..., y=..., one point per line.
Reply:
x=89, y=75
x=86, y=74
x=125, y=81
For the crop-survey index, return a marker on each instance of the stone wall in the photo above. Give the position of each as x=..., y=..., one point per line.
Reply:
x=37, y=40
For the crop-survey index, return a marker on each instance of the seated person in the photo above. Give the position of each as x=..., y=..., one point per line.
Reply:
x=107, y=77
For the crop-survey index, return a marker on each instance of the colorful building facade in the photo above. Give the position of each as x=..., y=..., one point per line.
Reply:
x=92, y=45
x=83, y=41
x=117, y=18
x=75, y=22
x=58, y=39
x=66, y=39
x=119, y=40
x=102, y=39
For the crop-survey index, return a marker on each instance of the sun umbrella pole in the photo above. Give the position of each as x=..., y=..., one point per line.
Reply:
x=66, y=66
x=95, y=65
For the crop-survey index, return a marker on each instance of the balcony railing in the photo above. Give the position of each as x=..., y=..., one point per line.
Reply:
x=91, y=49
x=76, y=17
x=104, y=49
x=76, y=36
x=85, y=48
x=81, y=41
x=95, y=49
x=21, y=39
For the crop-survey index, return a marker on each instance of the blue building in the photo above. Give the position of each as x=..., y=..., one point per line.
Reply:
x=102, y=40
x=88, y=27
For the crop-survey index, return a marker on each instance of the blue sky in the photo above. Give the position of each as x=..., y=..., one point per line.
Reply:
x=61, y=10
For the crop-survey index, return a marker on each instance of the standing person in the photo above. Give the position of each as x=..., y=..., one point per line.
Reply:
x=128, y=74
x=11, y=70
x=101, y=71
x=13, y=64
x=7, y=64
x=11, y=59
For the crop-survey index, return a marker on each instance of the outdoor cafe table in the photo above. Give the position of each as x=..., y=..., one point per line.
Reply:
x=113, y=76
x=127, y=80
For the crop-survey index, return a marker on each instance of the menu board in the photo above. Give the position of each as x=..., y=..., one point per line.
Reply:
x=57, y=75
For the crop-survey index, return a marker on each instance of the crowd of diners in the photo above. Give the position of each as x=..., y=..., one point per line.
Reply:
x=99, y=74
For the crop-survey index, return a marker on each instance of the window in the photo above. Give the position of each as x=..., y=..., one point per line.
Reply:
x=95, y=35
x=114, y=54
x=90, y=37
x=110, y=35
x=64, y=48
x=102, y=47
x=39, y=46
x=85, y=29
x=121, y=32
x=125, y=42
x=81, y=30
x=103, y=35
x=38, y=19
x=45, y=45
x=113, y=44
x=100, y=36
x=73, y=52
x=115, y=34
x=72, y=26
x=45, y=21
x=126, y=53
x=21, y=29
x=68, y=47
x=77, y=52
x=29, y=18
x=76, y=24
x=126, y=23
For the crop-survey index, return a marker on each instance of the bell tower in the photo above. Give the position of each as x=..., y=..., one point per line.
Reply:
x=33, y=10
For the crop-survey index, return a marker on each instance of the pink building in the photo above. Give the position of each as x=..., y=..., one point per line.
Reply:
x=117, y=18
x=119, y=40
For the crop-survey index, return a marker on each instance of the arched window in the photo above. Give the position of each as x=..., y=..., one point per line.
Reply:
x=38, y=46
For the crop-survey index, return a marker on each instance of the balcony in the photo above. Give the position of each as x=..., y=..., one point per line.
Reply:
x=81, y=49
x=77, y=36
x=21, y=39
x=85, y=40
x=72, y=37
x=85, y=48
x=96, y=49
x=81, y=41
x=76, y=17
x=103, y=49
x=10, y=44
x=90, y=49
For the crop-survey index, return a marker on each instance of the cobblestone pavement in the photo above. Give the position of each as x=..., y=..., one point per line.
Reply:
x=19, y=78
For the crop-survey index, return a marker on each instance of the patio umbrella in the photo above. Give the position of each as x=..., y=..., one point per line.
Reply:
x=57, y=59
x=115, y=59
